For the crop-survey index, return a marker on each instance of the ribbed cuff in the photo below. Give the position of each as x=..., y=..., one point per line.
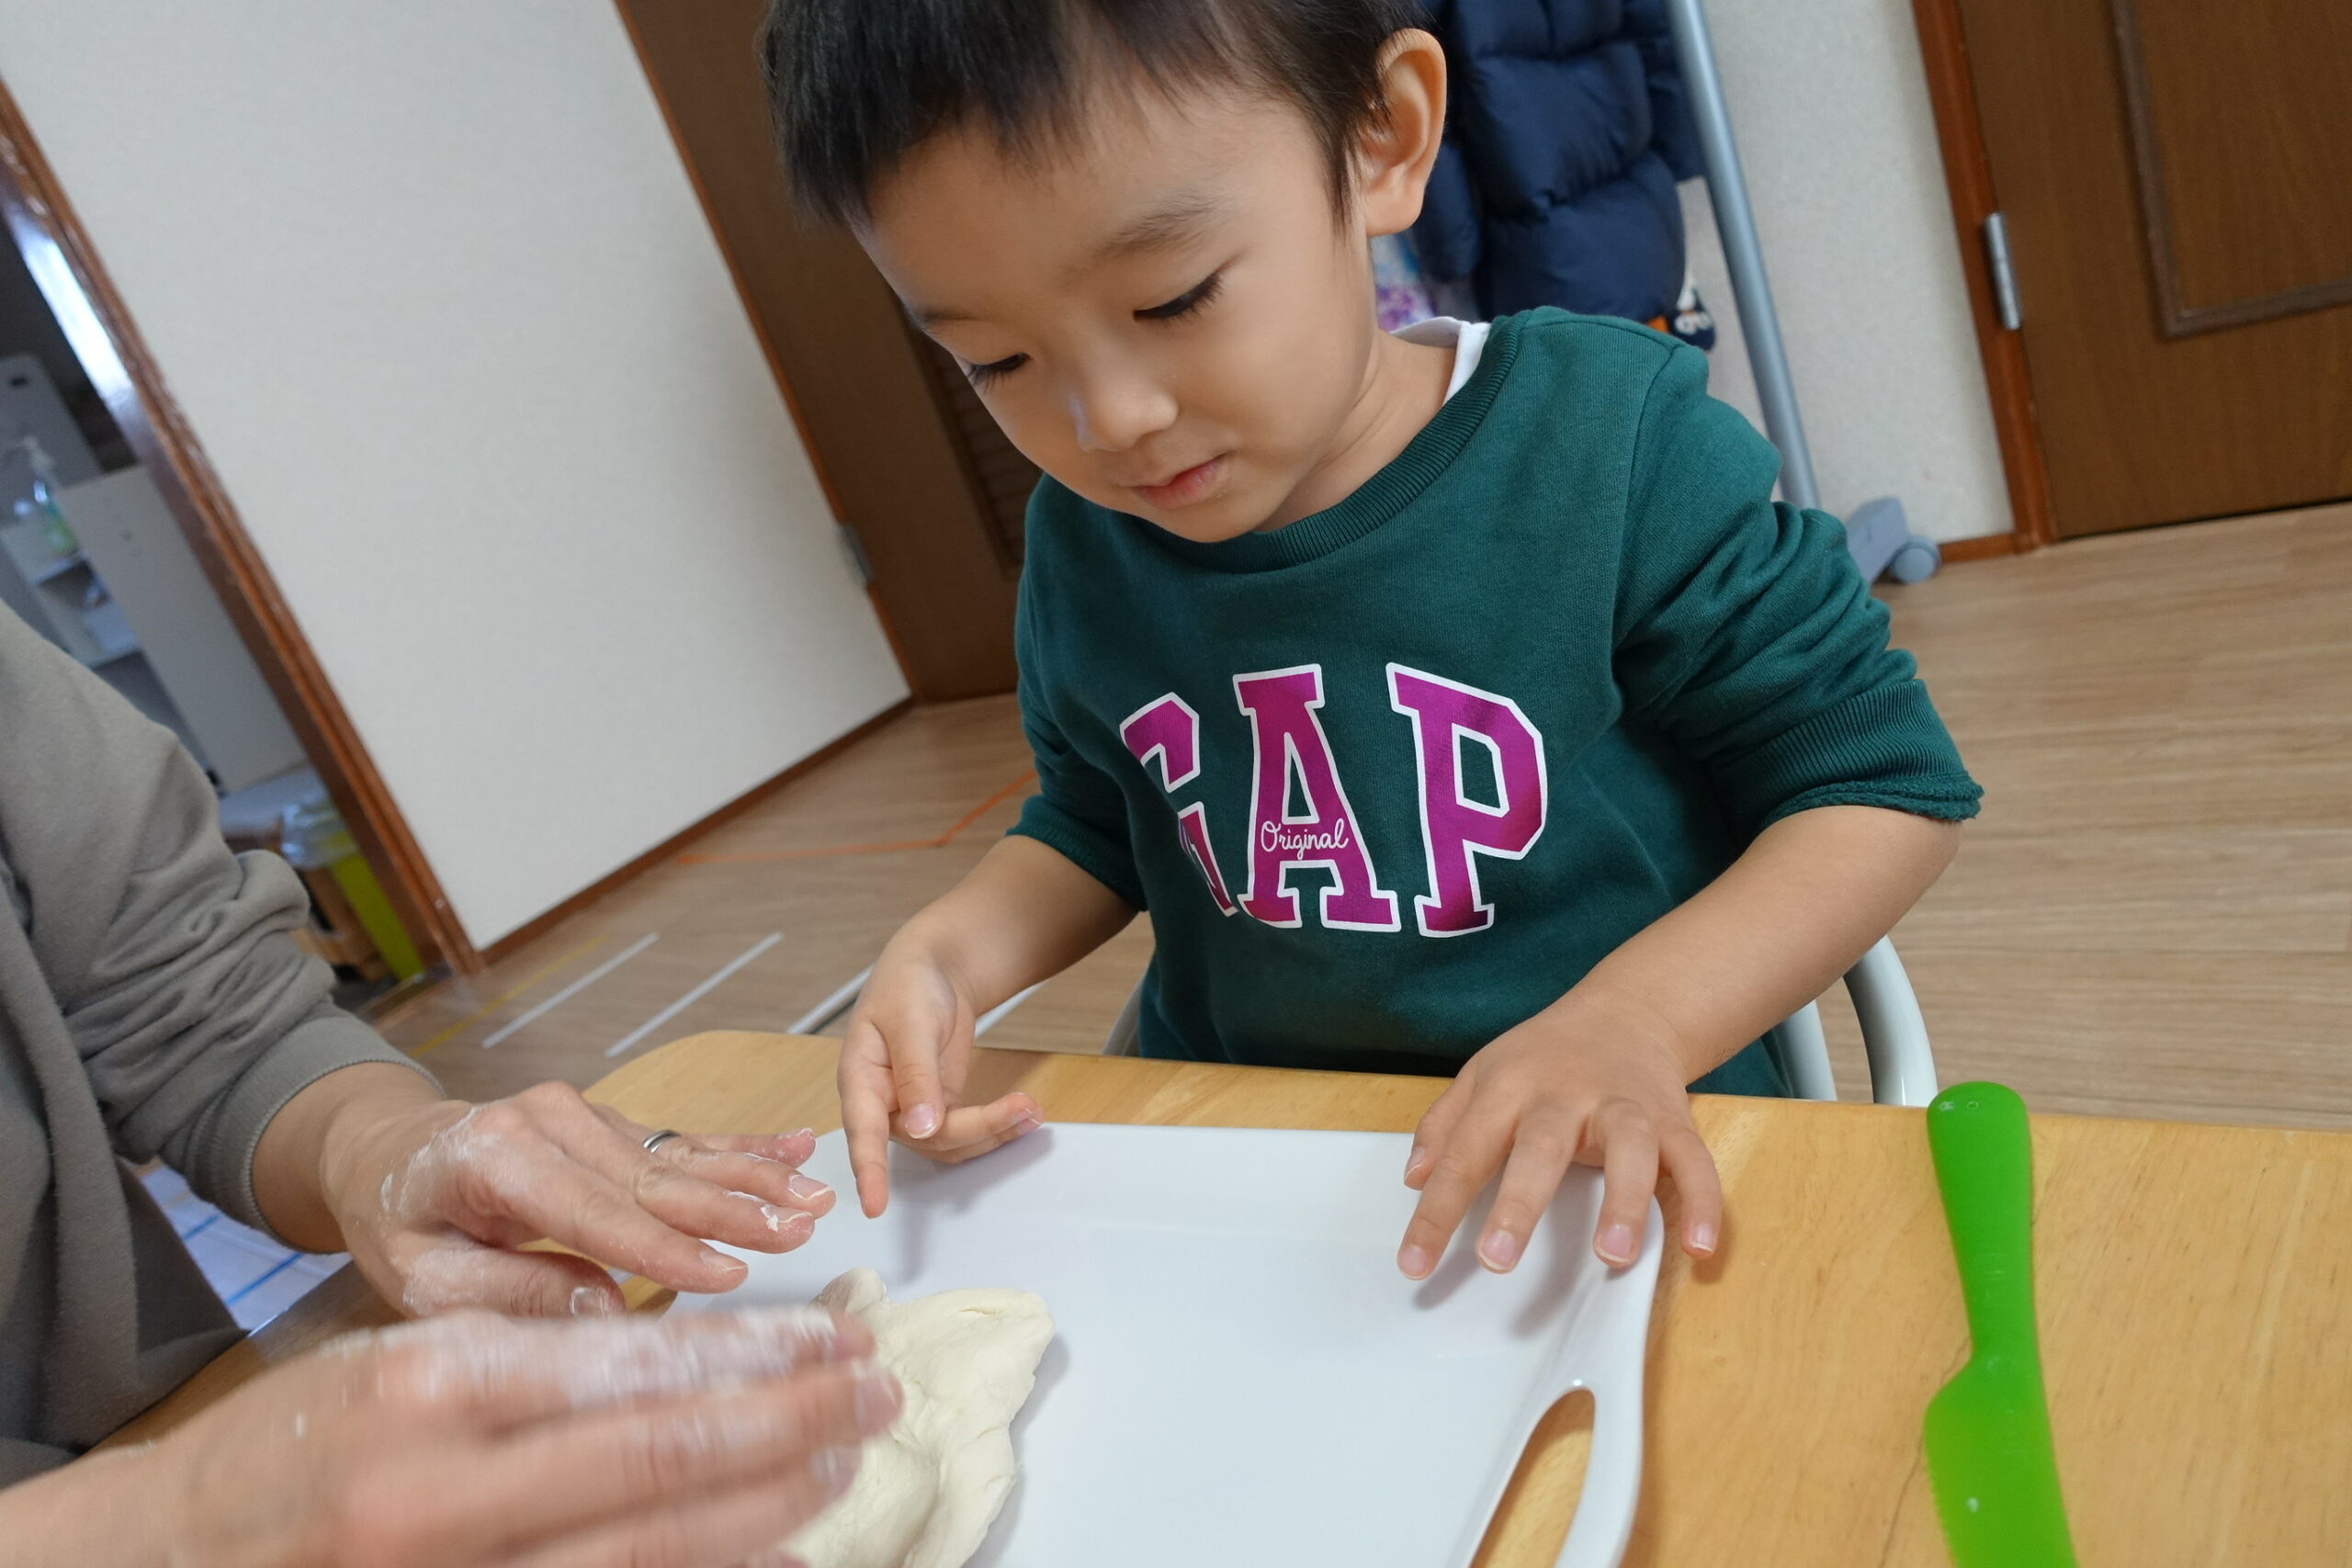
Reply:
x=224, y=1161
x=1948, y=805
x=1883, y=747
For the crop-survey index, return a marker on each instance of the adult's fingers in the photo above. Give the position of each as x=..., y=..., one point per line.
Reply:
x=545, y=1189
x=971, y=1131
x=562, y=1477
x=711, y=1532
x=1459, y=1172
x=501, y=1375
x=1436, y=1127
x=1540, y=1156
x=518, y=1169
x=868, y=1094
x=762, y=1165
x=762, y=1180
x=1628, y=1146
x=784, y=1149
x=1699, y=1186
x=450, y=1271
x=659, y=1181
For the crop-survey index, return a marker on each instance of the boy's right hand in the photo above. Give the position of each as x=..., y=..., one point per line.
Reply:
x=902, y=1069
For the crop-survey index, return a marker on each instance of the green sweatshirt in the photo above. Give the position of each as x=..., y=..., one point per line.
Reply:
x=1393, y=778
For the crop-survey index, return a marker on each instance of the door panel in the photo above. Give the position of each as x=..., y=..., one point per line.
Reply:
x=2177, y=181
x=2242, y=147
x=900, y=468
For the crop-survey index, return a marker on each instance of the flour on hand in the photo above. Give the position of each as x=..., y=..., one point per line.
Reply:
x=932, y=1485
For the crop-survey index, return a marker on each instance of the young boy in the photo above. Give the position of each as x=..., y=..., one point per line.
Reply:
x=1457, y=702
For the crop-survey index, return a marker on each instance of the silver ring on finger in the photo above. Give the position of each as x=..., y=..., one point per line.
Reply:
x=662, y=1137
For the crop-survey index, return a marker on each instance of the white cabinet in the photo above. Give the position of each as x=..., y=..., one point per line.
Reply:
x=124, y=593
x=161, y=599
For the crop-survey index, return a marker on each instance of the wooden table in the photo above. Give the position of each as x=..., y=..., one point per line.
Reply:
x=2196, y=1293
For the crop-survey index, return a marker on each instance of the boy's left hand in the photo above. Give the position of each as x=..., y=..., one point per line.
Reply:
x=1583, y=1082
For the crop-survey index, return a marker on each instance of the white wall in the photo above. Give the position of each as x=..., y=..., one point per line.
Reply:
x=1829, y=103
x=431, y=284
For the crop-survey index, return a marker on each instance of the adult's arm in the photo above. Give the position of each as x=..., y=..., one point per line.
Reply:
x=209, y=1040
x=196, y=1017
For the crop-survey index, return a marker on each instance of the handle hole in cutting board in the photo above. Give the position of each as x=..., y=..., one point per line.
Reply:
x=1531, y=1521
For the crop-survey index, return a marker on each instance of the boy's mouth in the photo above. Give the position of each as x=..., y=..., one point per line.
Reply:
x=1185, y=488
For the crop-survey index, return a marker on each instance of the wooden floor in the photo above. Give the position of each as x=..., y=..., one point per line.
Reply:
x=2152, y=917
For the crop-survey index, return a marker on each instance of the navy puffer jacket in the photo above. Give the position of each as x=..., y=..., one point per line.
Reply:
x=1566, y=132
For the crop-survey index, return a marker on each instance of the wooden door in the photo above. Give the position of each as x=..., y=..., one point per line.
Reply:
x=2176, y=178
x=914, y=466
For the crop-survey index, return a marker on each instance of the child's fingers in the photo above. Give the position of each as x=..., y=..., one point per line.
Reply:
x=1699, y=1186
x=866, y=1091
x=1458, y=1172
x=1540, y=1156
x=1436, y=1124
x=972, y=1131
x=1628, y=1178
x=914, y=1071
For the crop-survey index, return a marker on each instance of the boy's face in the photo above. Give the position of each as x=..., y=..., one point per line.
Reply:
x=1167, y=317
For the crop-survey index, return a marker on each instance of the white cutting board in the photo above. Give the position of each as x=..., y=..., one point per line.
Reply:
x=1241, y=1377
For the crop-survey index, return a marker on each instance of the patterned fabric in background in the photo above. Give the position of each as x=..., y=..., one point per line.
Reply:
x=1400, y=294
x=1403, y=294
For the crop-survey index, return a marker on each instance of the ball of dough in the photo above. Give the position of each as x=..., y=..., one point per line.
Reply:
x=930, y=1487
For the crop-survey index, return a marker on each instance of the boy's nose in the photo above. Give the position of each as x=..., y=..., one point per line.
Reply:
x=1112, y=415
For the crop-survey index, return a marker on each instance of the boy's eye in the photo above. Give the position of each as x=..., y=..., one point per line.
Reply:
x=1184, y=304
x=981, y=375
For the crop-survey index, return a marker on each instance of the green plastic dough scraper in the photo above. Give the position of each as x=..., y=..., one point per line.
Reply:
x=1989, y=1456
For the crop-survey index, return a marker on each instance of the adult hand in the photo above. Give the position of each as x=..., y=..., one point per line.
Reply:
x=432, y=1197
x=693, y=1441
x=1585, y=1082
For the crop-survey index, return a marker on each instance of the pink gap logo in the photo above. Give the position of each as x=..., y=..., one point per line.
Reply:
x=1314, y=827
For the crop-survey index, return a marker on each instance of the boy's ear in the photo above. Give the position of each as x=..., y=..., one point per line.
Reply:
x=1393, y=154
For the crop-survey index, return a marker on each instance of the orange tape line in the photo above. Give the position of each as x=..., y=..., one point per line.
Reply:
x=990, y=804
x=941, y=842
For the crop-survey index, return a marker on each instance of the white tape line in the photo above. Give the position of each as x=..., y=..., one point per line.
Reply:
x=573, y=989
x=824, y=1012
x=691, y=997
x=989, y=1019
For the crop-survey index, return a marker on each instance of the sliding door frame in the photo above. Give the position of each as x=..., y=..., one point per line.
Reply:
x=57, y=252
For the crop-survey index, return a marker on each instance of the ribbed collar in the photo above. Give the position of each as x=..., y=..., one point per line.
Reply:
x=1379, y=498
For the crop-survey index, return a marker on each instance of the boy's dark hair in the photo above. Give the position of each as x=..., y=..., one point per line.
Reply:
x=856, y=85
